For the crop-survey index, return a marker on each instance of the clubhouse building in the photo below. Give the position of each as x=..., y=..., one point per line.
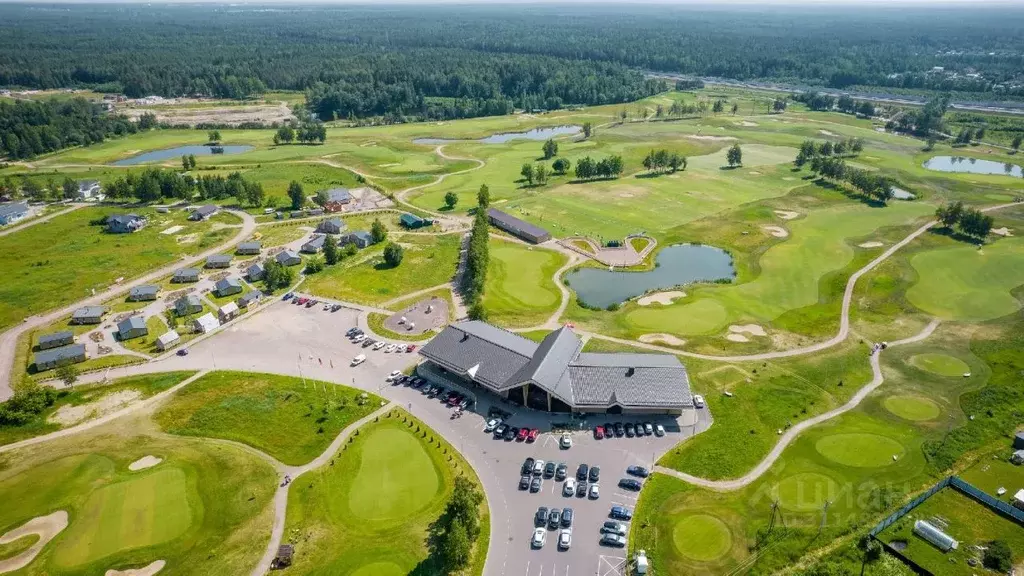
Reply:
x=555, y=375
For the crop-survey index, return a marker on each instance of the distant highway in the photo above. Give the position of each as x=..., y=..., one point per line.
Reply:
x=906, y=100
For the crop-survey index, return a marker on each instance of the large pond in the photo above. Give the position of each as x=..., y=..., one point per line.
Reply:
x=972, y=166
x=535, y=134
x=676, y=265
x=169, y=153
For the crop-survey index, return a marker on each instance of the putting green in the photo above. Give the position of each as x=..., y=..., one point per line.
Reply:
x=805, y=491
x=136, y=513
x=940, y=364
x=520, y=290
x=702, y=317
x=380, y=569
x=396, y=477
x=859, y=450
x=701, y=537
x=915, y=408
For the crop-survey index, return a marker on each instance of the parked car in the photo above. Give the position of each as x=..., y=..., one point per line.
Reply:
x=351, y=332
x=595, y=474
x=621, y=513
x=523, y=433
x=648, y=428
x=581, y=489
x=638, y=471
x=659, y=430
x=510, y=434
x=640, y=431
x=327, y=307
x=394, y=374
x=288, y=296
x=554, y=518
x=492, y=424
x=410, y=347
x=549, y=469
x=183, y=352
x=613, y=527
x=566, y=441
x=500, y=431
x=581, y=472
x=524, y=483
x=359, y=360
x=359, y=338
x=569, y=488
x=536, y=484
x=630, y=484
x=619, y=430
x=565, y=539
x=598, y=432
x=567, y=517
x=538, y=467
x=698, y=401
x=595, y=492
x=539, y=536
x=311, y=303
x=391, y=348
x=527, y=464
x=335, y=307
x=613, y=540
x=367, y=342
x=541, y=518
x=561, y=471
x=380, y=345
x=630, y=430
x=532, y=436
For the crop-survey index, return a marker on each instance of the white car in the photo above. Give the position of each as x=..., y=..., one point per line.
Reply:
x=379, y=345
x=565, y=538
x=539, y=536
x=595, y=492
x=566, y=440
x=659, y=430
x=359, y=360
x=359, y=338
x=698, y=401
x=570, y=487
x=394, y=374
x=538, y=467
x=492, y=424
x=391, y=348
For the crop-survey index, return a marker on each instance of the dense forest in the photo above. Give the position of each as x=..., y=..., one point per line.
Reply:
x=30, y=128
x=471, y=60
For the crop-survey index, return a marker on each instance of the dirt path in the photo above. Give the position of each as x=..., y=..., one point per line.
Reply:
x=9, y=339
x=792, y=433
x=33, y=222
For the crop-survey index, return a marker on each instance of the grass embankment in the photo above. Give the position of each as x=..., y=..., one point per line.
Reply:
x=290, y=419
x=519, y=290
x=376, y=322
x=371, y=509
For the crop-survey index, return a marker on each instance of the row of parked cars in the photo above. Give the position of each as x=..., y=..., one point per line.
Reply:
x=310, y=302
x=452, y=398
x=628, y=429
x=535, y=471
x=359, y=337
x=613, y=532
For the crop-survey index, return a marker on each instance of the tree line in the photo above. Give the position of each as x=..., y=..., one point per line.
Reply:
x=659, y=161
x=969, y=221
x=30, y=128
x=305, y=133
x=155, y=184
x=477, y=257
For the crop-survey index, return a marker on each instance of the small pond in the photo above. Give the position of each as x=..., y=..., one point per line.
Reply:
x=175, y=153
x=972, y=166
x=676, y=265
x=535, y=134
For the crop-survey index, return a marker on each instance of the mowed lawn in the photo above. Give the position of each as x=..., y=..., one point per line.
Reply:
x=290, y=419
x=63, y=260
x=520, y=290
x=365, y=278
x=369, y=511
x=965, y=283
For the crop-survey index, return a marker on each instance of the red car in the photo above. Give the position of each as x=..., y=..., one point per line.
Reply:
x=523, y=433
x=302, y=300
x=532, y=435
x=410, y=347
x=598, y=432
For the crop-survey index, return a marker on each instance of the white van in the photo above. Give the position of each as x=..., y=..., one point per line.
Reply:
x=359, y=360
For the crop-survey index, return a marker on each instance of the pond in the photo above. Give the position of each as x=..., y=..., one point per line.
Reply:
x=676, y=265
x=503, y=137
x=177, y=153
x=972, y=166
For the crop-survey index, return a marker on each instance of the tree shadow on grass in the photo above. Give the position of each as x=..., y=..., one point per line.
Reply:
x=736, y=167
x=862, y=198
x=955, y=235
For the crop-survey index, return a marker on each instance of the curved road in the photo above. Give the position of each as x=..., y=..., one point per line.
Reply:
x=9, y=339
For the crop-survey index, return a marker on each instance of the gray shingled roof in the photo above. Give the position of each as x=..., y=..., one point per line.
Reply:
x=88, y=312
x=515, y=225
x=226, y=283
x=131, y=323
x=547, y=368
x=58, y=354
x=55, y=337
x=629, y=380
x=144, y=290
x=184, y=272
x=218, y=258
x=253, y=245
x=14, y=208
x=498, y=353
x=206, y=210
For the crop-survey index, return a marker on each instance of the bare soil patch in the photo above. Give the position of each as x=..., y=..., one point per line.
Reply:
x=712, y=138
x=177, y=111
x=172, y=230
x=46, y=527
x=187, y=238
x=147, y=461
x=787, y=214
x=827, y=133
x=148, y=570
x=663, y=298
x=667, y=339
x=70, y=415
x=776, y=231
x=870, y=245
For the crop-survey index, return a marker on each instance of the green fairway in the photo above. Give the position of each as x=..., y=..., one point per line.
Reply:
x=395, y=478
x=860, y=450
x=291, y=419
x=805, y=491
x=915, y=408
x=940, y=364
x=520, y=290
x=965, y=283
x=136, y=513
x=702, y=537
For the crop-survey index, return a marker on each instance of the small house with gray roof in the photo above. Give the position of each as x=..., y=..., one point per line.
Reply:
x=247, y=299
x=182, y=275
x=254, y=272
x=88, y=315
x=331, y=226
x=125, y=223
x=132, y=327
x=203, y=212
x=335, y=199
x=56, y=339
x=56, y=357
x=288, y=258
x=188, y=304
x=555, y=375
x=146, y=292
x=227, y=287
x=315, y=244
x=218, y=261
x=361, y=238
x=249, y=248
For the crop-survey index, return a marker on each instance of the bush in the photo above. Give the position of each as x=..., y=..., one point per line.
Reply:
x=393, y=254
x=998, y=556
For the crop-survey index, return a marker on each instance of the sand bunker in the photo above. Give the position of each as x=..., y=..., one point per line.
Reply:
x=776, y=231
x=71, y=415
x=712, y=138
x=747, y=123
x=147, y=570
x=663, y=298
x=752, y=329
x=47, y=527
x=144, y=462
x=786, y=214
x=826, y=133
x=662, y=339
x=737, y=338
x=187, y=238
x=172, y=230
x=870, y=245
x=1004, y=231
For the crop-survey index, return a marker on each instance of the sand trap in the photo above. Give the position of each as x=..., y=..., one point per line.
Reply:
x=1004, y=231
x=663, y=298
x=47, y=527
x=737, y=338
x=661, y=338
x=148, y=570
x=187, y=238
x=870, y=245
x=747, y=123
x=172, y=230
x=754, y=173
x=826, y=133
x=712, y=138
x=145, y=462
x=388, y=165
x=626, y=195
x=786, y=214
x=71, y=415
x=752, y=329
x=776, y=231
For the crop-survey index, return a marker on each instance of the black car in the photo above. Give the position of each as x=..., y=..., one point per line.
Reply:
x=524, y=483
x=567, y=517
x=640, y=430
x=619, y=430
x=609, y=429
x=561, y=471
x=581, y=473
x=554, y=518
x=595, y=474
x=500, y=431
x=630, y=431
x=535, y=485
x=581, y=490
x=510, y=433
x=630, y=484
x=638, y=471
x=549, y=469
x=528, y=466
x=542, y=516
x=621, y=513
x=368, y=342
x=351, y=332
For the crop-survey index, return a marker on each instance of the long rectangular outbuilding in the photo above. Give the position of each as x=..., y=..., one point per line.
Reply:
x=516, y=227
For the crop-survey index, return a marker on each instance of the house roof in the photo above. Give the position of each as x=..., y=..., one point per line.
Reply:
x=89, y=312
x=123, y=219
x=229, y=308
x=186, y=272
x=286, y=255
x=57, y=354
x=363, y=234
x=511, y=223
x=87, y=184
x=218, y=258
x=504, y=360
x=257, y=267
x=316, y=242
x=131, y=323
x=409, y=219
x=205, y=210
x=56, y=336
x=253, y=245
x=207, y=321
x=168, y=337
x=14, y=208
x=338, y=195
x=336, y=222
x=189, y=300
x=249, y=297
x=144, y=290
x=226, y=283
